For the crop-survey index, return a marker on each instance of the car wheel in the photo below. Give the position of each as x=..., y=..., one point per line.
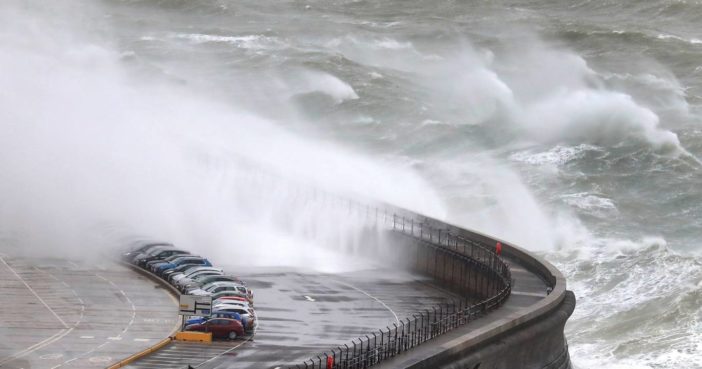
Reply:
x=232, y=335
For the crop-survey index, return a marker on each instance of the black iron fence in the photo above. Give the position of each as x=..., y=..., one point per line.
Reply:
x=472, y=269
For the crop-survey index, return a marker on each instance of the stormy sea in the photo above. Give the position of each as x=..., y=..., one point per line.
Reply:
x=571, y=128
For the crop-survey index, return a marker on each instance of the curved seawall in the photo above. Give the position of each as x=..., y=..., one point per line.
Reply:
x=510, y=311
x=526, y=331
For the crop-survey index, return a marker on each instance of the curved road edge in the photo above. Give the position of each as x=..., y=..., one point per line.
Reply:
x=163, y=342
x=464, y=342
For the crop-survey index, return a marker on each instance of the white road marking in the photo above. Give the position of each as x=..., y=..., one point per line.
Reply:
x=115, y=338
x=309, y=298
x=142, y=339
x=35, y=294
x=45, y=342
x=37, y=346
x=222, y=353
x=51, y=356
x=87, y=337
x=372, y=297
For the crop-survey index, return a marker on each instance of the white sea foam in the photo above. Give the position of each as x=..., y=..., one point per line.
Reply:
x=558, y=155
x=311, y=81
x=392, y=44
x=643, y=297
x=590, y=203
x=693, y=41
x=244, y=42
x=365, y=119
x=596, y=117
x=84, y=142
x=432, y=122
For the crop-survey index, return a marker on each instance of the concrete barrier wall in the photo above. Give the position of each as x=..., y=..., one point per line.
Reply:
x=540, y=344
x=530, y=338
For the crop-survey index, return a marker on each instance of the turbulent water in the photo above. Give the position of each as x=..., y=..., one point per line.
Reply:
x=571, y=128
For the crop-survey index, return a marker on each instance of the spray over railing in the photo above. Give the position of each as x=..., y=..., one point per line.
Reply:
x=471, y=269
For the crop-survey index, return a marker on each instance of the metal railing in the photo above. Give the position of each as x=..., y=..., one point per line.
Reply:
x=469, y=268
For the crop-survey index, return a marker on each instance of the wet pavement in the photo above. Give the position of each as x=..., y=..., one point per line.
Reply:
x=67, y=314
x=301, y=314
x=64, y=314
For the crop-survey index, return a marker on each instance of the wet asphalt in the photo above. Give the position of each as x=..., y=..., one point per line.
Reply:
x=69, y=314
x=303, y=314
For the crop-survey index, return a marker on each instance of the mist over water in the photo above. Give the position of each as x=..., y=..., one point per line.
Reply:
x=572, y=130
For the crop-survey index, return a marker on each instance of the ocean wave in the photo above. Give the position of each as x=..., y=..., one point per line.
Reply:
x=638, y=305
x=590, y=203
x=597, y=117
x=383, y=43
x=311, y=81
x=558, y=155
x=692, y=41
x=254, y=42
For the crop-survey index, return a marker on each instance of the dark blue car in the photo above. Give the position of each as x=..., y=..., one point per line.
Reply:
x=202, y=319
x=188, y=260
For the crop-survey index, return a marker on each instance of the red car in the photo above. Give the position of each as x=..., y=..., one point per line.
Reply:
x=220, y=328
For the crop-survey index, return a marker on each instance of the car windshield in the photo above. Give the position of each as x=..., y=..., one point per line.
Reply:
x=156, y=250
x=191, y=269
x=203, y=273
x=220, y=278
x=154, y=246
x=174, y=257
x=191, y=261
x=167, y=253
x=235, y=310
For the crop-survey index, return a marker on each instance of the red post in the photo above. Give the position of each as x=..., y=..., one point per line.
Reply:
x=498, y=248
x=330, y=362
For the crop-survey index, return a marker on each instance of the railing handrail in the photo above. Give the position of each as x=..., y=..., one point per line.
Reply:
x=495, y=287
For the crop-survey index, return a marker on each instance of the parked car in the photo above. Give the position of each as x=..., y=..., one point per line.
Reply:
x=162, y=268
x=183, y=283
x=230, y=299
x=226, y=293
x=215, y=278
x=141, y=247
x=193, y=271
x=247, y=315
x=202, y=319
x=182, y=266
x=151, y=265
x=159, y=254
x=220, y=328
x=215, y=287
x=239, y=291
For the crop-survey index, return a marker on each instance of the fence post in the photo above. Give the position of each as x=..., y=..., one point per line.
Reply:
x=346, y=362
x=354, y=350
x=434, y=325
